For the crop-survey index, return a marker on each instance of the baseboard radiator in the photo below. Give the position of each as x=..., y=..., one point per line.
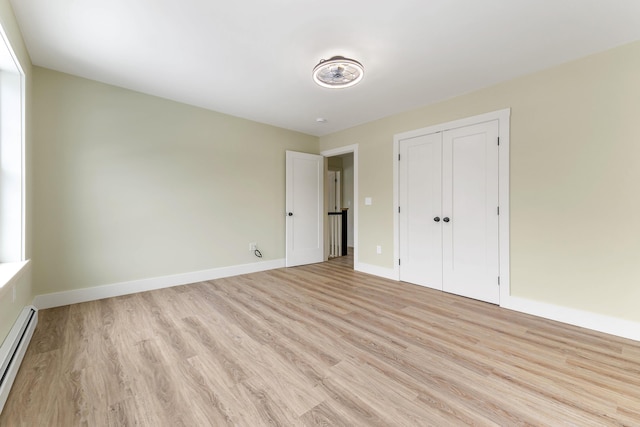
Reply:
x=338, y=233
x=335, y=236
x=13, y=349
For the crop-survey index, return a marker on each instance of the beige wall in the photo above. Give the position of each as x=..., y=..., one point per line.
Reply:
x=9, y=309
x=130, y=186
x=575, y=180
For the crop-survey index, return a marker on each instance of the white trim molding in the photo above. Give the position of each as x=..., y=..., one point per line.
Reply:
x=597, y=322
x=10, y=273
x=584, y=319
x=58, y=299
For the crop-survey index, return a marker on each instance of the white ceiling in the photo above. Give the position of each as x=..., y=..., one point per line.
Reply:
x=253, y=58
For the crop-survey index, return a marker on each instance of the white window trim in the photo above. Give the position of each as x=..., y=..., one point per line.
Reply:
x=12, y=255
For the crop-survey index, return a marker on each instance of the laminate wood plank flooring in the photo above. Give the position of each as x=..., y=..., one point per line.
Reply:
x=317, y=345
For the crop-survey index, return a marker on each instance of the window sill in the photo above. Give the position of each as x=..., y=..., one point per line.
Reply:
x=10, y=272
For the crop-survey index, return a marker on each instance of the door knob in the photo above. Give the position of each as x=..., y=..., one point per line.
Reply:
x=436, y=219
x=290, y=214
x=446, y=219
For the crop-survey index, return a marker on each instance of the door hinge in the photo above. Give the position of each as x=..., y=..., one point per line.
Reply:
x=398, y=261
x=498, y=280
x=398, y=209
x=398, y=157
x=498, y=140
x=498, y=210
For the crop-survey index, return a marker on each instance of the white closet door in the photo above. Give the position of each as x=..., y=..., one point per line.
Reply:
x=470, y=203
x=420, y=197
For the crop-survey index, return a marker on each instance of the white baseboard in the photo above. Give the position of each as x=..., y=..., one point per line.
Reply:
x=585, y=319
x=58, y=299
x=387, y=273
x=597, y=322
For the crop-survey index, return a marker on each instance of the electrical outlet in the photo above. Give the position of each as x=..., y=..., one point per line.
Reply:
x=378, y=249
x=252, y=246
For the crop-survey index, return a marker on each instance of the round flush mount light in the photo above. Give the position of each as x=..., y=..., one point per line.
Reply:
x=338, y=72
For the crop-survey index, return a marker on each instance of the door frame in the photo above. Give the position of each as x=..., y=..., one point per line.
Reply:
x=337, y=193
x=503, y=117
x=337, y=152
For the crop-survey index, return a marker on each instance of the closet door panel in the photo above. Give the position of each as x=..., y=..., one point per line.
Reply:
x=470, y=202
x=420, y=200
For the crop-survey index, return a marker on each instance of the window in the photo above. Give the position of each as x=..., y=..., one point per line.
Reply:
x=11, y=155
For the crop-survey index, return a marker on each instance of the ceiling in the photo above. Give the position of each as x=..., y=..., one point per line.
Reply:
x=253, y=58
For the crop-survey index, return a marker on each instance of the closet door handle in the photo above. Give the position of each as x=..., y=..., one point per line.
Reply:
x=436, y=219
x=446, y=219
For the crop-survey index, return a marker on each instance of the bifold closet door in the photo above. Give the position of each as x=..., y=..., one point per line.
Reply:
x=470, y=211
x=448, y=198
x=420, y=200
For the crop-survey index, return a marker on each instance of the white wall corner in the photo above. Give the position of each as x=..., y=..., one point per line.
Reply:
x=58, y=299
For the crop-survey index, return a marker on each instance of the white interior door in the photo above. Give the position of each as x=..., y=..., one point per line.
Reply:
x=420, y=197
x=470, y=211
x=304, y=208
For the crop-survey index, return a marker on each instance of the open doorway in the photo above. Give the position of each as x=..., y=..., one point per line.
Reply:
x=341, y=191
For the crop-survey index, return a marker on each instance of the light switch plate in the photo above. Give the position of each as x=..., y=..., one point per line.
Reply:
x=368, y=201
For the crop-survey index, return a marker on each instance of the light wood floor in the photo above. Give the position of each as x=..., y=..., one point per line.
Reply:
x=317, y=345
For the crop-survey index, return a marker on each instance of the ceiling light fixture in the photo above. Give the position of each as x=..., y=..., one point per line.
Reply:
x=338, y=72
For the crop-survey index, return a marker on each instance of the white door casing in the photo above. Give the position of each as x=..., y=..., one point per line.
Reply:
x=304, y=208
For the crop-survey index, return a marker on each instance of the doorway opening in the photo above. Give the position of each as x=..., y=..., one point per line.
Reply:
x=341, y=197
